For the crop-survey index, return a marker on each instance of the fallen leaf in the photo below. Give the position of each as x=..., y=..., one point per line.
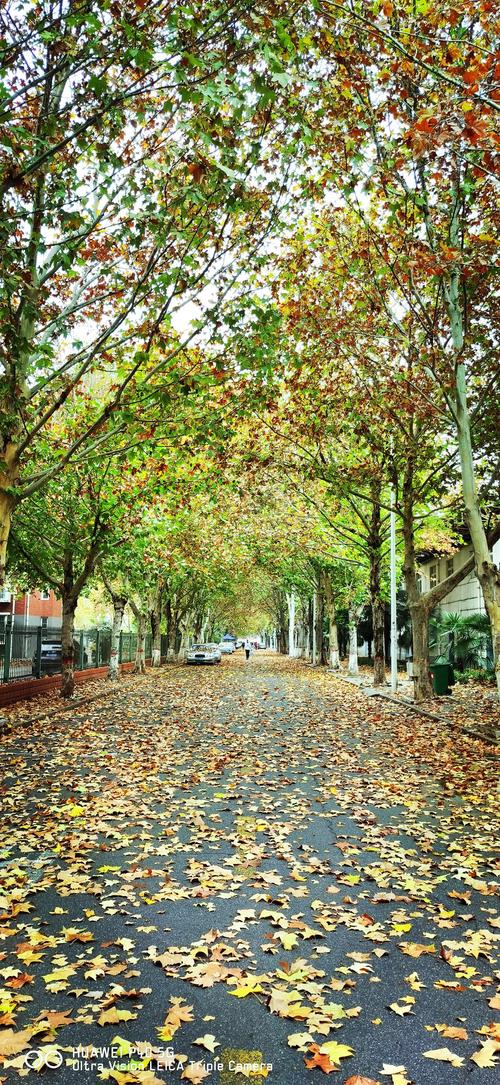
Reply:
x=450, y=1032
x=401, y=1011
x=11, y=1042
x=359, y=1079
x=443, y=1054
x=113, y=1016
x=195, y=1073
x=208, y=1041
x=486, y=1056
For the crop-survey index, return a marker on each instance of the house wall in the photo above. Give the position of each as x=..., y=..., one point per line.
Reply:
x=30, y=609
x=467, y=597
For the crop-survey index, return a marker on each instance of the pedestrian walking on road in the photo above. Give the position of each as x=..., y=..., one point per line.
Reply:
x=248, y=648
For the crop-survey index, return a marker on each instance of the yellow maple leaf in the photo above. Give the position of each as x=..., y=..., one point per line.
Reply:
x=247, y=989
x=336, y=1051
x=113, y=1016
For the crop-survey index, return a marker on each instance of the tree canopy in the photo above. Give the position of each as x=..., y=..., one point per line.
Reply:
x=247, y=307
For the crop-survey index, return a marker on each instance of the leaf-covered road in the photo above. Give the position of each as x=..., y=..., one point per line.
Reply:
x=252, y=865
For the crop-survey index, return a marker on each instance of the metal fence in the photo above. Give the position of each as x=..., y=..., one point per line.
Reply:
x=33, y=651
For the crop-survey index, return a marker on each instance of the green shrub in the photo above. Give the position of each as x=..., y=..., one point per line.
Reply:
x=464, y=639
x=475, y=674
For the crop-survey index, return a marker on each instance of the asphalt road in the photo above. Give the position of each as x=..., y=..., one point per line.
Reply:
x=261, y=843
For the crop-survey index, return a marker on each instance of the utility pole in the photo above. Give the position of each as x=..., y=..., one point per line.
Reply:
x=394, y=619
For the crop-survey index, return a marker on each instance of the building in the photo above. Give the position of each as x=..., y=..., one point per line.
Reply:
x=467, y=597
x=31, y=609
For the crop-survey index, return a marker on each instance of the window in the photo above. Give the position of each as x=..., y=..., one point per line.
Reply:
x=45, y=594
x=433, y=575
x=45, y=622
x=419, y=584
x=449, y=566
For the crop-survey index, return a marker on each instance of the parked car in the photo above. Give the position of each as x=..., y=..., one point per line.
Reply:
x=203, y=653
x=51, y=657
x=227, y=647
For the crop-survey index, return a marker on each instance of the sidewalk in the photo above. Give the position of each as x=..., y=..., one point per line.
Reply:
x=473, y=707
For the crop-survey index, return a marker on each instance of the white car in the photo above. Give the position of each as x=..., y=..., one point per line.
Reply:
x=203, y=653
x=226, y=647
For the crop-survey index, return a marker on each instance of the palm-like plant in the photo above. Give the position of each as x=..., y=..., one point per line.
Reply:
x=465, y=639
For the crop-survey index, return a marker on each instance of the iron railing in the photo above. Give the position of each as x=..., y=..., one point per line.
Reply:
x=25, y=652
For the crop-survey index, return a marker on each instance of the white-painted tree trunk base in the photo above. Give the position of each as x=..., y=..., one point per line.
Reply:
x=353, y=664
x=156, y=657
x=113, y=672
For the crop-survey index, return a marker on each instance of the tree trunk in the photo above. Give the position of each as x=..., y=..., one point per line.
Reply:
x=420, y=604
x=310, y=629
x=422, y=678
x=69, y=601
x=198, y=627
x=377, y=603
x=140, y=652
x=177, y=637
x=204, y=627
x=419, y=610
x=119, y=604
x=282, y=622
x=183, y=643
x=314, y=656
x=378, y=619
x=8, y=478
x=322, y=644
x=333, y=633
x=354, y=613
x=170, y=629
x=291, y=624
x=155, y=616
x=487, y=572
x=68, y=651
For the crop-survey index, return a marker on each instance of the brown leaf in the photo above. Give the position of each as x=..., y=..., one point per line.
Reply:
x=359, y=1079
x=55, y=1019
x=450, y=1032
x=20, y=981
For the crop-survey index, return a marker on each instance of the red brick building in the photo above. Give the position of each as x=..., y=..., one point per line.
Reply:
x=30, y=610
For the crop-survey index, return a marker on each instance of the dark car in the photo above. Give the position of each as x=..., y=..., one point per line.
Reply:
x=51, y=657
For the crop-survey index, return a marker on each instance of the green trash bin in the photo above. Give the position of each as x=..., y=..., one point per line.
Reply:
x=440, y=676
